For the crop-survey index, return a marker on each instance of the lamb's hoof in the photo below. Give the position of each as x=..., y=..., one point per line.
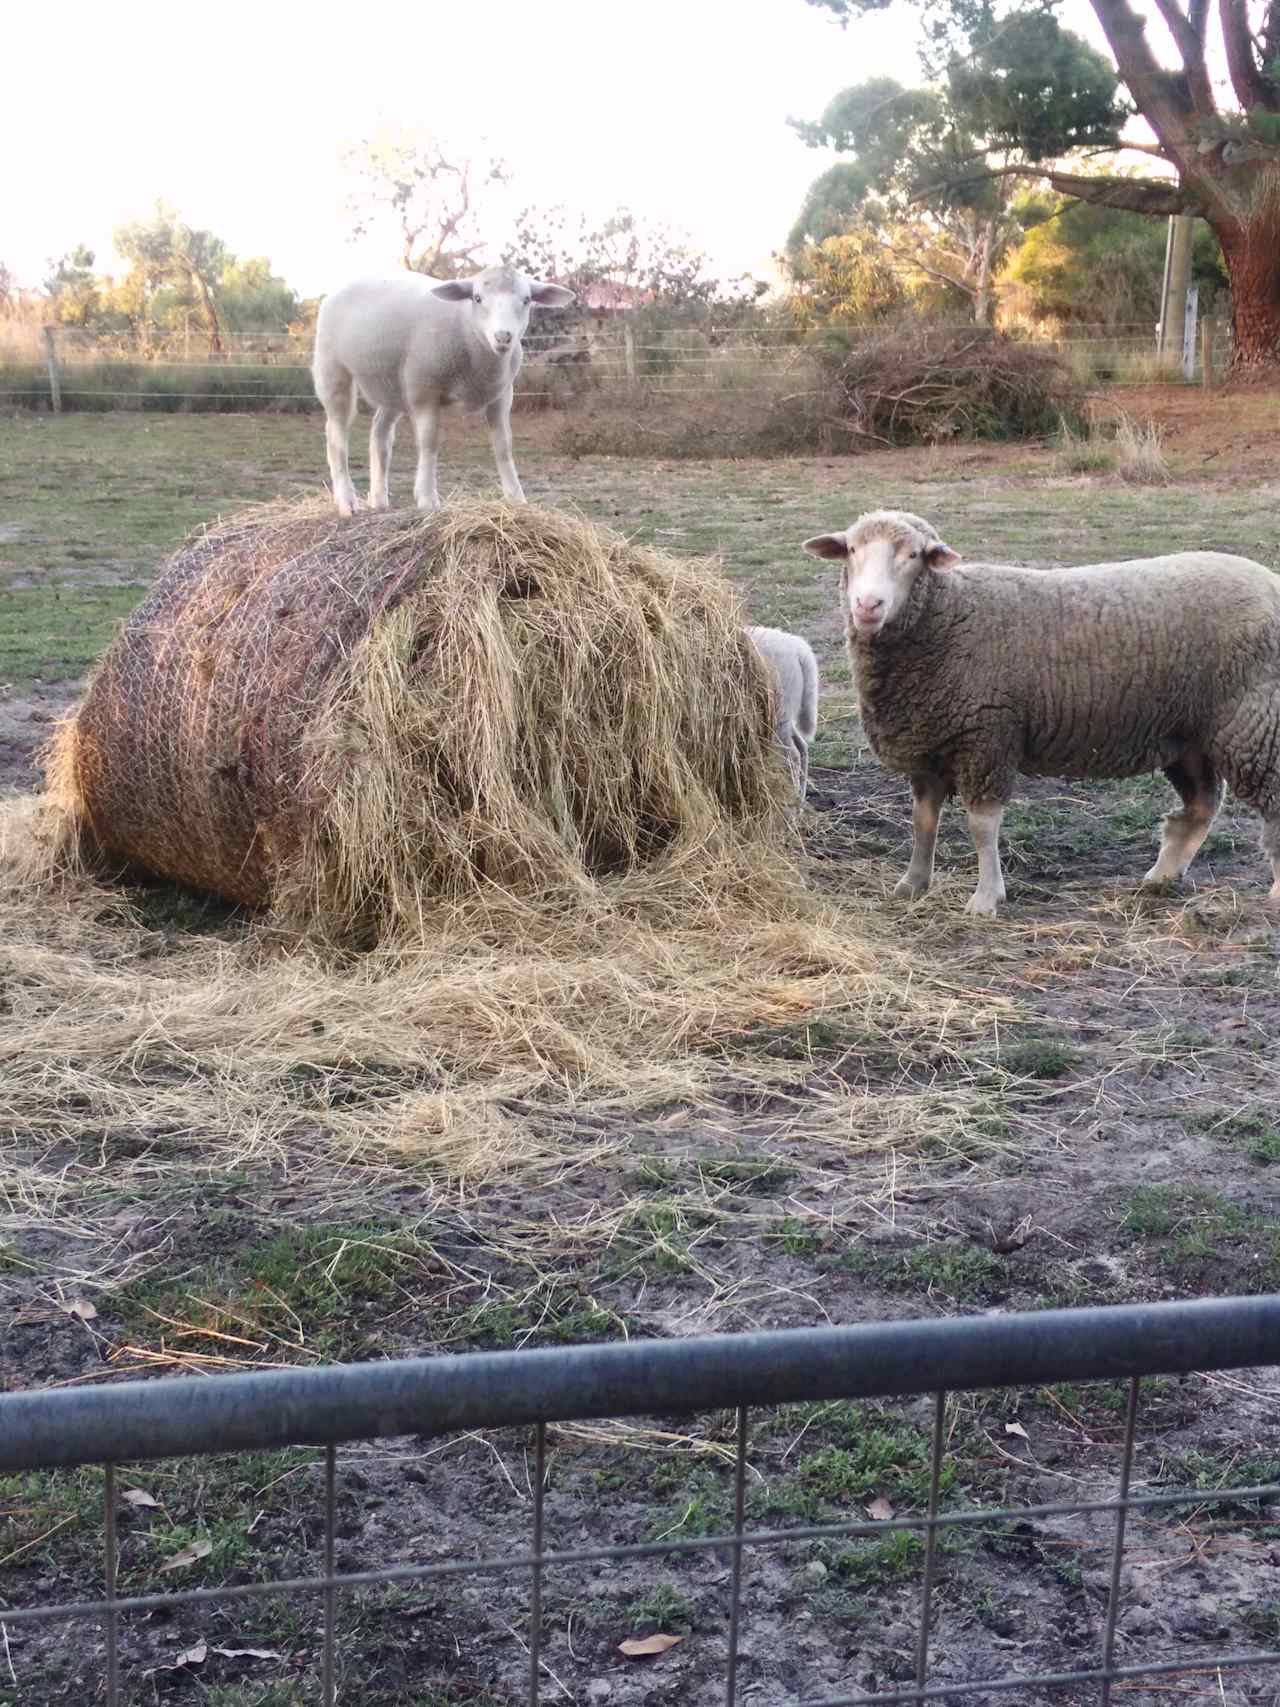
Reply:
x=983, y=906
x=379, y=503
x=911, y=888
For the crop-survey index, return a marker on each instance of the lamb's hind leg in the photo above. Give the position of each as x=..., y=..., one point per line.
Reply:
x=381, y=437
x=1182, y=833
x=337, y=391
x=927, y=795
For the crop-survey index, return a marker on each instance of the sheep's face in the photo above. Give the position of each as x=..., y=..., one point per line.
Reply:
x=500, y=302
x=883, y=554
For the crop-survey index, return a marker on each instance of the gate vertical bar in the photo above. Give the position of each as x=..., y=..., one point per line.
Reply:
x=328, y=1683
x=931, y=1537
x=1117, y=1556
x=535, y=1598
x=739, y=1513
x=109, y=1574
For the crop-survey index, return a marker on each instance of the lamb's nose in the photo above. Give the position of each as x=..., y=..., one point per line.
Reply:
x=502, y=339
x=870, y=607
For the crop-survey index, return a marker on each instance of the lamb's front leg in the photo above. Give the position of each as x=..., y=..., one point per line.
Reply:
x=984, y=826
x=426, y=427
x=381, y=437
x=498, y=415
x=927, y=795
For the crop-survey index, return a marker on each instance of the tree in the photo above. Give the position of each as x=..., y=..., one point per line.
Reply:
x=432, y=193
x=165, y=254
x=929, y=162
x=1096, y=264
x=843, y=279
x=646, y=262
x=1225, y=161
x=72, y=287
x=252, y=299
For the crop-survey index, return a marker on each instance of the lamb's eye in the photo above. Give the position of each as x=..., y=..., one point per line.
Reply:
x=475, y=297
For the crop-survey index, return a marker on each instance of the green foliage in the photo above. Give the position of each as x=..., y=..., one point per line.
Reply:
x=73, y=288
x=848, y=280
x=1097, y=264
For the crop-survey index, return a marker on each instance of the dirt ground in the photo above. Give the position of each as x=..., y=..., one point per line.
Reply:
x=1115, y=1137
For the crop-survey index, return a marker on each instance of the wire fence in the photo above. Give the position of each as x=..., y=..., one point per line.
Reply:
x=443, y=1395
x=77, y=369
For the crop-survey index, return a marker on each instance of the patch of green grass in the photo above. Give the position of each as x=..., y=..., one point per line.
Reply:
x=664, y=1609
x=1255, y=1131
x=1046, y=1055
x=701, y=1507
x=961, y=1271
x=896, y=1558
x=1207, y=1240
x=762, y=1176
x=1262, y=1622
x=56, y=632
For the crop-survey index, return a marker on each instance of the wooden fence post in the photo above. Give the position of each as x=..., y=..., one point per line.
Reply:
x=629, y=353
x=55, y=378
x=1208, y=328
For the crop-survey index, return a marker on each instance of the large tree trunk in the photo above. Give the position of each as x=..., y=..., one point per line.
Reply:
x=1251, y=250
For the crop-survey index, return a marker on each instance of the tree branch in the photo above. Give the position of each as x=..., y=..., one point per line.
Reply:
x=1159, y=96
x=1131, y=195
x=1246, y=79
x=1189, y=42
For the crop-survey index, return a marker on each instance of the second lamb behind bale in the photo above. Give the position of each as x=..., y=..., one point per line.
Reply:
x=796, y=671
x=967, y=676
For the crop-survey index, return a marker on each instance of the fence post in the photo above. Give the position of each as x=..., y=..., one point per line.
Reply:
x=55, y=378
x=629, y=353
x=1208, y=330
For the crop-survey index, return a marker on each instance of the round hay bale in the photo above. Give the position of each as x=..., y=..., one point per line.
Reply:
x=354, y=721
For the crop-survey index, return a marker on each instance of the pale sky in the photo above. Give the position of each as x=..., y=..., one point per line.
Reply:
x=237, y=115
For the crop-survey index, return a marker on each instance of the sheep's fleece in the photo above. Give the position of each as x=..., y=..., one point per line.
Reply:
x=1109, y=670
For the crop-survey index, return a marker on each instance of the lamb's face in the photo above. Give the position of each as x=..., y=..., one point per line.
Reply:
x=500, y=302
x=883, y=553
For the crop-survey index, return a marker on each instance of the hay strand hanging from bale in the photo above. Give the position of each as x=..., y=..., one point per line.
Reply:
x=355, y=722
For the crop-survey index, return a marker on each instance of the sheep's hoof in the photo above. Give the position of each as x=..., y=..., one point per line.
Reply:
x=983, y=906
x=910, y=888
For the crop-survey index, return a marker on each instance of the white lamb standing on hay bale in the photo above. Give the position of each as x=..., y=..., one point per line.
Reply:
x=968, y=676
x=796, y=670
x=411, y=345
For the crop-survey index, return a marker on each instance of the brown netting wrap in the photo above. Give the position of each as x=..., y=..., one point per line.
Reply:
x=353, y=721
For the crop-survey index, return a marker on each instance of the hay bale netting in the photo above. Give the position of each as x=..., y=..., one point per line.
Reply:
x=352, y=721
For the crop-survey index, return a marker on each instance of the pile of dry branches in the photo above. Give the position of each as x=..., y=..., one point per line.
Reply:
x=931, y=384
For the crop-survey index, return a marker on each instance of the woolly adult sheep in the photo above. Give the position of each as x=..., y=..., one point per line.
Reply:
x=795, y=670
x=411, y=346
x=967, y=676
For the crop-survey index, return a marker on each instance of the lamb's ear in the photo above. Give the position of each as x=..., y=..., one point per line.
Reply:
x=827, y=545
x=550, y=295
x=455, y=290
x=940, y=556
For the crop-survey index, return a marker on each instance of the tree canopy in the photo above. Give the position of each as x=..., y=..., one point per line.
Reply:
x=1223, y=160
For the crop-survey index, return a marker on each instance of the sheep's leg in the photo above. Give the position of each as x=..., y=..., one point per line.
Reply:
x=381, y=437
x=1183, y=832
x=800, y=768
x=927, y=796
x=498, y=415
x=984, y=826
x=339, y=399
x=1271, y=847
x=426, y=427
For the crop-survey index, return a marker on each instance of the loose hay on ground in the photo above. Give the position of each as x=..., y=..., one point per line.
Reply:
x=531, y=764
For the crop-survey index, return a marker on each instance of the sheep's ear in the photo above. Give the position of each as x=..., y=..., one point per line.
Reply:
x=455, y=290
x=827, y=545
x=940, y=556
x=550, y=295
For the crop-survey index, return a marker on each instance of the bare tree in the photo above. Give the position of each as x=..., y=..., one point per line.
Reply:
x=435, y=195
